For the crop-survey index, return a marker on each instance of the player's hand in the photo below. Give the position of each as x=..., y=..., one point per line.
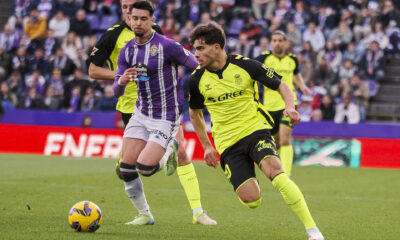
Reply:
x=293, y=115
x=211, y=157
x=128, y=76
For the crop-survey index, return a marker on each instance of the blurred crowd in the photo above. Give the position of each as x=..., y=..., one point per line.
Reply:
x=341, y=48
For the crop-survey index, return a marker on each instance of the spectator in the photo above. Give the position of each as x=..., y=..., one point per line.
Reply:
x=36, y=26
x=71, y=44
x=327, y=108
x=363, y=23
x=16, y=83
x=169, y=27
x=259, y=5
x=37, y=81
x=377, y=35
x=69, y=8
x=347, y=70
x=332, y=55
x=57, y=83
x=5, y=64
x=359, y=90
x=314, y=36
x=372, y=62
x=50, y=44
x=47, y=8
x=79, y=25
x=87, y=121
x=90, y=100
x=19, y=10
x=347, y=112
x=79, y=80
x=294, y=36
x=305, y=108
x=260, y=48
x=341, y=35
x=281, y=9
x=20, y=61
x=185, y=31
x=323, y=74
x=352, y=53
x=74, y=99
x=60, y=25
x=205, y=18
x=243, y=47
x=8, y=98
x=63, y=62
x=51, y=101
x=389, y=13
x=9, y=39
x=252, y=30
x=316, y=115
x=216, y=11
x=38, y=62
x=81, y=61
x=309, y=53
x=298, y=16
x=108, y=101
x=31, y=100
x=305, y=67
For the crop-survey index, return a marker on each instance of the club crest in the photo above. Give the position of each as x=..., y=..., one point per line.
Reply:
x=153, y=50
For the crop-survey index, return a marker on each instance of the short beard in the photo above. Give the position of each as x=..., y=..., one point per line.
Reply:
x=139, y=34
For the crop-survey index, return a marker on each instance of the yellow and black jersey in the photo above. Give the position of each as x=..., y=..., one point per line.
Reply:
x=107, y=50
x=229, y=96
x=286, y=67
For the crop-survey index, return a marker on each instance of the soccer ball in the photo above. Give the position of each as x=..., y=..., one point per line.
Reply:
x=85, y=216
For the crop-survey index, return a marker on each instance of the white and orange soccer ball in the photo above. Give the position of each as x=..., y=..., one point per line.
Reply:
x=85, y=216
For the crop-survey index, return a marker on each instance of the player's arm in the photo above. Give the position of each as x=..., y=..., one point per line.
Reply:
x=101, y=53
x=196, y=103
x=287, y=96
x=272, y=80
x=124, y=74
x=182, y=56
x=297, y=78
x=96, y=72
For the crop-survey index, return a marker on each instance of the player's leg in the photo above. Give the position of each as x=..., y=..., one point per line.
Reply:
x=239, y=169
x=267, y=159
x=134, y=142
x=286, y=148
x=161, y=134
x=125, y=118
x=188, y=178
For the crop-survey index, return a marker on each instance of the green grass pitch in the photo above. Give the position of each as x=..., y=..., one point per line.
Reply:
x=346, y=203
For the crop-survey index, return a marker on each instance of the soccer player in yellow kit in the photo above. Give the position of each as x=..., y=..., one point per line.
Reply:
x=107, y=50
x=285, y=64
x=225, y=85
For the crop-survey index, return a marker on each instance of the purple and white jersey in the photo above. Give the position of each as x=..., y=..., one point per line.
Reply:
x=160, y=95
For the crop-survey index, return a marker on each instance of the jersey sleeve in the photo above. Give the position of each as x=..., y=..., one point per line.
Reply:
x=261, y=58
x=196, y=99
x=259, y=72
x=296, y=68
x=122, y=66
x=182, y=56
x=104, y=47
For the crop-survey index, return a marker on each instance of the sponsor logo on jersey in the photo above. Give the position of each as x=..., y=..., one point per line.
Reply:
x=262, y=145
x=94, y=50
x=226, y=96
x=270, y=71
x=142, y=72
x=238, y=79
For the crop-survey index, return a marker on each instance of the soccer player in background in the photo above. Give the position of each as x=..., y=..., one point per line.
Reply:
x=151, y=60
x=225, y=85
x=285, y=64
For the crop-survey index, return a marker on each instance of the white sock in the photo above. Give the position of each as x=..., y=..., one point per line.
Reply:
x=196, y=210
x=314, y=233
x=134, y=190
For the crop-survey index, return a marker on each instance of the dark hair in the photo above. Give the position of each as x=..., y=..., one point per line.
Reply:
x=211, y=33
x=144, y=5
x=279, y=32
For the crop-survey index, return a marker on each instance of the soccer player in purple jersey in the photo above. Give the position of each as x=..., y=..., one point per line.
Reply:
x=151, y=60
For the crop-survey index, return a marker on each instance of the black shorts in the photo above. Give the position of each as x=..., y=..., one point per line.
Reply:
x=237, y=161
x=279, y=119
x=126, y=117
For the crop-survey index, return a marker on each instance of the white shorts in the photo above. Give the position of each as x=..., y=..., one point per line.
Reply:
x=159, y=131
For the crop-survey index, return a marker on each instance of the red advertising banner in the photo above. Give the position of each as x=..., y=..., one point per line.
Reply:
x=70, y=141
x=380, y=153
x=92, y=142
